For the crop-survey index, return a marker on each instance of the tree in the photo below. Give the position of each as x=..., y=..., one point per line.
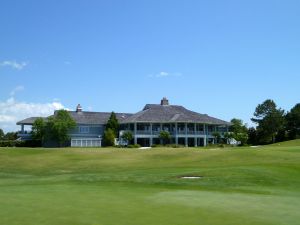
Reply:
x=237, y=126
x=38, y=129
x=60, y=125
x=252, y=136
x=239, y=130
x=10, y=136
x=55, y=129
x=217, y=136
x=293, y=122
x=113, y=124
x=1, y=134
x=227, y=136
x=270, y=120
x=242, y=137
x=127, y=136
x=109, y=137
x=164, y=136
x=111, y=130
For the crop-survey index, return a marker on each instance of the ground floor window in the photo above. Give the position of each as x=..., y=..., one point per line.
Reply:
x=189, y=141
x=145, y=142
x=88, y=142
x=156, y=141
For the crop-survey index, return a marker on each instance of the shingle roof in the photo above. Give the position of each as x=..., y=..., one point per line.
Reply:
x=96, y=117
x=171, y=113
x=155, y=113
x=83, y=117
x=29, y=121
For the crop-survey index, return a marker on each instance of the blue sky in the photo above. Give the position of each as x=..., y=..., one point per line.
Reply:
x=216, y=57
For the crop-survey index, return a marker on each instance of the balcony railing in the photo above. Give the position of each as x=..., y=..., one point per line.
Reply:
x=143, y=132
x=24, y=135
x=179, y=132
x=192, y=132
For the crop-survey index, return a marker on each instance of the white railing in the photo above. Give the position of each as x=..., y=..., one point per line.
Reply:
x=180, y=132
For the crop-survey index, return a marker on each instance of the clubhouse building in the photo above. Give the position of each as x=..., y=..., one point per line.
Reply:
x=185, y=127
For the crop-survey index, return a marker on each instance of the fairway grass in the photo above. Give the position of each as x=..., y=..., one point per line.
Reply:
x=112, y=186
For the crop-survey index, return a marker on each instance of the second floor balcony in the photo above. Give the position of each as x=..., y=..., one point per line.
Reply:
x=179, y=132
x=180, y=129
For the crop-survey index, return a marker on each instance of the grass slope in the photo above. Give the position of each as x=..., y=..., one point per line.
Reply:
x=295, y=142
x=141, y=187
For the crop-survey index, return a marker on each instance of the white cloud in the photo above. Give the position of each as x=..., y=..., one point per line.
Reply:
x=16, y=89
x=165, y=74
x=13, y=64
x=12, y=111
x=162, y=74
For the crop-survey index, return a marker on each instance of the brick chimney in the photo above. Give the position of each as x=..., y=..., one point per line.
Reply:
x=164, y=101
x=78, y=108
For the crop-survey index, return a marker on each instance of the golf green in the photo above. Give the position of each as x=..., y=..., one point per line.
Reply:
x=105, y=186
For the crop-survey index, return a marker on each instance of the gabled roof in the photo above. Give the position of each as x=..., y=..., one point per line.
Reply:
x=96, y=117
x=171, y=113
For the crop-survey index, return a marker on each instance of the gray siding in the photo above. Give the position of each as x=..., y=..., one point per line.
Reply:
x=93, y=131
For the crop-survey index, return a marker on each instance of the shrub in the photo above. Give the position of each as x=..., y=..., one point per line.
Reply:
x=8, y=143
x=165, y=136
x=29, y=143
x=127, y=136
x=16, y=143
x=109, y=137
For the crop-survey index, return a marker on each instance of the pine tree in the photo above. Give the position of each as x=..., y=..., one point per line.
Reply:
x=113, y=124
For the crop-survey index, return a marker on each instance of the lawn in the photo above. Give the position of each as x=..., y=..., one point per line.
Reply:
x=112, y=186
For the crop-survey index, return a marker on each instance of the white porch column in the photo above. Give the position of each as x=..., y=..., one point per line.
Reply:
x=195, y=133
x=151, y=137
x=176, y=137
x=135, y=138
x=186, y=138
x=22, y=128
x=205, y=135
x=161, y=128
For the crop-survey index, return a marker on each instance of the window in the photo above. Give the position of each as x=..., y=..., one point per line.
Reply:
x=84, y=129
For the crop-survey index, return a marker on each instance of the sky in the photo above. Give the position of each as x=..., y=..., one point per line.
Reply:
x=221, y=58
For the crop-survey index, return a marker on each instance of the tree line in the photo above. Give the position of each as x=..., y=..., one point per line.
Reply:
x=273, y=125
